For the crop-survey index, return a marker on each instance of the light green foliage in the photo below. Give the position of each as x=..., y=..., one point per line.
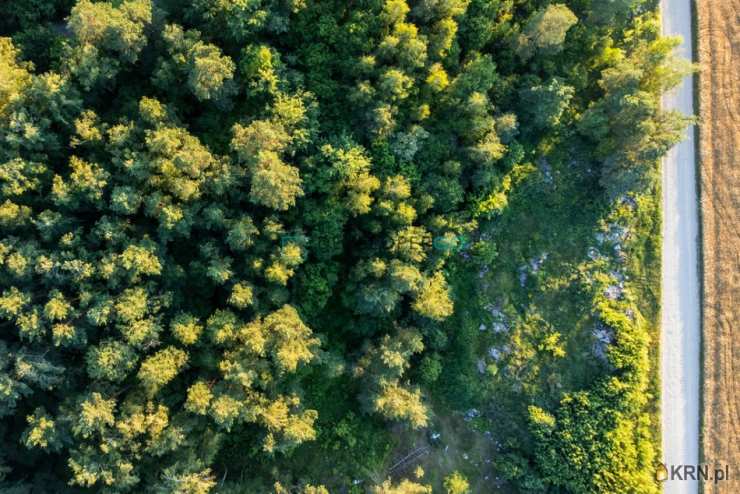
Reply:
x=260, y=135
x=545, y=30
x=437, y=78
x=288, y=338
x=105, y=36
x=260, y=64
x=41, y=432
x=405, y=278
x=94, y=414
x=161, y=368
x=132, y=304
x=308, y=489
x=12, y=301
x=226, y=223
x=398, y=403
x=382, y=368
x=177, y=482
x=112, y=360
x=233, y=18
x=14, y=75
x=274, y=183
x=209, y=73
x=119, y=29
x=632, y=94
x=199, y=398
x=125, y=200
x=589, y=426
x=544, y=104
x=394, y=11
x=57, y=308
x=411, y=243
x=456, y=483
x=607, y=10
x=350, y=167
x=141, y=260
x=404, y=487
x=433, y=300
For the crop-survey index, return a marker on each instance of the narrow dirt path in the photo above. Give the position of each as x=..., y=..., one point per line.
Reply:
x=680, y=323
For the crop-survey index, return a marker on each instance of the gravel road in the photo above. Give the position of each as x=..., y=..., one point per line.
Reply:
x=680, y=335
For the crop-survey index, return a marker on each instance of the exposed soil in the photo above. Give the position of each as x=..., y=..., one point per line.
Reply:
x=719, y=143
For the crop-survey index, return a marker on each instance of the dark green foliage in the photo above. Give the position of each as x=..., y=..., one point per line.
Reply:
x=239, y=239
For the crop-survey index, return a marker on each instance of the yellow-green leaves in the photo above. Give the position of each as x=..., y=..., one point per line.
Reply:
x=132, y=304
x=65, y=334
x=225, y=410
x=199, y=398
x=30, y=325
x=87, y=128
x=86, y=182
x=141, y=260
x=394, y=11
x=241, y=296
x=14, y=76
x=351, y=165
x=275, y=184
x=404, y=277
x=161, y=368
x=545, y=30
x=111, y=360
x=382, y=368
x=290, y=338
x=222, y=326
x=19, y=176
x=186, y=328
x=141, y=332
x=95, y=413
x=398, y=403
x=125, y=200
x=119, y=29
x=411, y=243
x=260, y=65
x=294, y=426
x=456, y=483
x=437, y=79
x=187, y=482
x=209, y=73
x=258, y=355
x=179, y=164
x=41, y=432
x=405, y=486
x=57, y=308
x=260, y=135
x=395, y=84
x=541, y=419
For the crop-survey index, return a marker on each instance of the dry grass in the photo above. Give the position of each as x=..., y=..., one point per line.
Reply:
x=718, y=25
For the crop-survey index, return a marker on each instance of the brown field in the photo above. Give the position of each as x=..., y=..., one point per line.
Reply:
x=718, y=26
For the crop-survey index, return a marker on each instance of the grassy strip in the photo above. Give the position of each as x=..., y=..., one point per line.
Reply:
x=695, y=12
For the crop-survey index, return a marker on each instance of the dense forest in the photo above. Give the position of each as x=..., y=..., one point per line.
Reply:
x=346, y=246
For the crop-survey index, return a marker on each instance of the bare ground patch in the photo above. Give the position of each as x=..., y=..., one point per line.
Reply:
x=719, y=102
